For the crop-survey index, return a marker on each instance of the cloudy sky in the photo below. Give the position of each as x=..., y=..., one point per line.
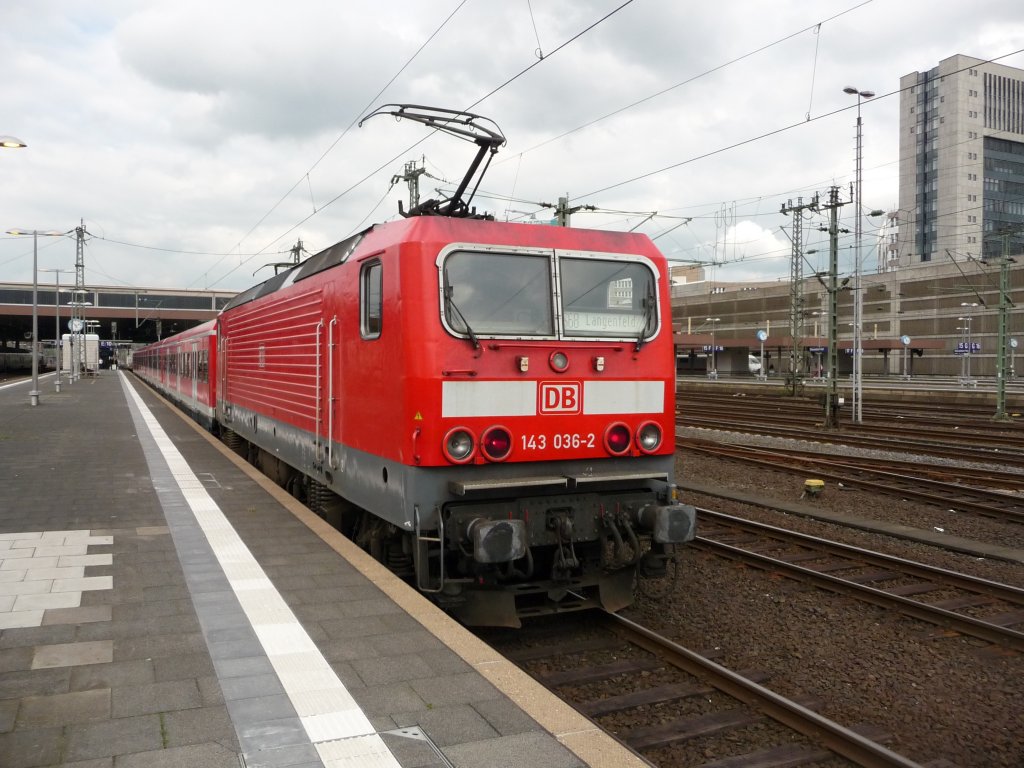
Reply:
x=199, y=140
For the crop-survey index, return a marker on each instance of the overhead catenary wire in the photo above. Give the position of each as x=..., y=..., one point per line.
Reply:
x=692, y=79
x=767, y=134
x=342, y=135
x=408, y=149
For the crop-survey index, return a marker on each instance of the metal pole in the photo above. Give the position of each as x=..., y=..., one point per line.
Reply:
x=858, y=300
x=34, y=394
x=56, y=330
x=969, y=343
x=56, y=340
x=714, y=367
x=832, y=394
x=1004, y=289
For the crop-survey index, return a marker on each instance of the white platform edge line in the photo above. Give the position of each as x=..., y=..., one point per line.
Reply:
x=339, y=727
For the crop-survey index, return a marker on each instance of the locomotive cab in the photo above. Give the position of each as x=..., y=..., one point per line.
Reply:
x=555, y=433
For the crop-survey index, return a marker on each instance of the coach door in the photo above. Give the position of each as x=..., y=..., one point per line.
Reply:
x=327, y=360
x=194, y=371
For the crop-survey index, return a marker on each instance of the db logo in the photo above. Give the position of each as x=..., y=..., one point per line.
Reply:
x=561, y=397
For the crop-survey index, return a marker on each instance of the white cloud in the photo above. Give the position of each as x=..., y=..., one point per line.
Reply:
x=190, y=126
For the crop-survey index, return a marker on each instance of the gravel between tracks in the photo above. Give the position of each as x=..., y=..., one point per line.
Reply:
x=939, y=696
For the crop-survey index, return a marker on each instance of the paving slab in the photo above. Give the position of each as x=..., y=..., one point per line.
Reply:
x=128, y=637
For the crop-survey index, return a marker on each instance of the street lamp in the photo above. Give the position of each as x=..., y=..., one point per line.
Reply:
x=34, y=394
x=56, y=334
x=858, y=305
x=713, y=373
x=12, y=142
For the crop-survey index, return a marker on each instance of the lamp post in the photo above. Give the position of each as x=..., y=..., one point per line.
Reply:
x=56, y=334
x=858, y=304
x=713, y=373
x=34, y=394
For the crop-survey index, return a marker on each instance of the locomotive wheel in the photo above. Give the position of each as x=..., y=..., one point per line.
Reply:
x=232, y=440
x=327, y=505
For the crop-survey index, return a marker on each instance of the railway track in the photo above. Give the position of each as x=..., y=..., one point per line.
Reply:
x=860, y=473
x=954, y=424
x=930, y=414
x=962, y=604
x=668, y=699
x=959, y=445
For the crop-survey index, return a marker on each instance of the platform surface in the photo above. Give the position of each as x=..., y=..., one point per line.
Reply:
x=162, y=605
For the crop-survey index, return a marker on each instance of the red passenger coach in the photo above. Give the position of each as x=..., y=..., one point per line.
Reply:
x=181, y=368
x=487, y=407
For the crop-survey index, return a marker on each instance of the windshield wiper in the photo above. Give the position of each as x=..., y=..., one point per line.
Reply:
x=452, y=305
x=649, y=304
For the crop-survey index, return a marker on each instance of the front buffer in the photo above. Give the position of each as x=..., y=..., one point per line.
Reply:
x=491, y=561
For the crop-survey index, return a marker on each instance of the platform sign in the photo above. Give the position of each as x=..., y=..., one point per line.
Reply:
x=967, y=347
x=716, y=348
x=817, y=349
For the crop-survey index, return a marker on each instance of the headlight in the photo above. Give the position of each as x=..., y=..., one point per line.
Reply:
x=648, y=437
x=558, y=361
x=458, y=445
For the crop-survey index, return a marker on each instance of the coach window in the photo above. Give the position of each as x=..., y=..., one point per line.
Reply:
x=370, y=299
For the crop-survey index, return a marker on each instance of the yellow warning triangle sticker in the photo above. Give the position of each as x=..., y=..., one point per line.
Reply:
x=418, y=416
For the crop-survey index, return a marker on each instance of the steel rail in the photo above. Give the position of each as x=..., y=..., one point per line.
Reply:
x=919, y=468
x=998, y=590
x=942, y=494
x=967, y=444
x=835, y=737
x=965, y=625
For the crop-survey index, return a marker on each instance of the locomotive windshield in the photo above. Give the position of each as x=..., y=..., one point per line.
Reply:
x=607, y=298
x=498, y=294
x=512, y=294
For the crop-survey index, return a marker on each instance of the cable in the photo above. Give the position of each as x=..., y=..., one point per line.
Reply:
x=343, y=134
x=690, y=79
x=774, y=132
x=417, y=143
x=571, y=40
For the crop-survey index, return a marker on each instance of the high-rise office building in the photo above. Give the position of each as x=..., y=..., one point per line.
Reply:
x=961, y=162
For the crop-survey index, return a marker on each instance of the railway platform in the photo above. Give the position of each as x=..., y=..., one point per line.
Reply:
x=163, y=605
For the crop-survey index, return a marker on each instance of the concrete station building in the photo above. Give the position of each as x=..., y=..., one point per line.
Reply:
x=938, y=276
x=126, y=317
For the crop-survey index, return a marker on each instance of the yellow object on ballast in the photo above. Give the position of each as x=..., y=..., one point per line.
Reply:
x=813, y=487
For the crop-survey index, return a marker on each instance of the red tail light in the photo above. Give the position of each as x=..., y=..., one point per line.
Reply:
x=617, y=439
x=496, y=443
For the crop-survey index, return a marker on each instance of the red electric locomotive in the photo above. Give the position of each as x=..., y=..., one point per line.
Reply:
x=180, y=367
x=487, y=408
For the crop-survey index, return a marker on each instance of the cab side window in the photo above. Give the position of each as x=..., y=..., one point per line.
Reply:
x=371, y=299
